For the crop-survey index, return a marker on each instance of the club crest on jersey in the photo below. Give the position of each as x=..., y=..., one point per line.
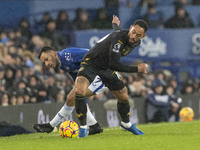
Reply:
x=116, y=47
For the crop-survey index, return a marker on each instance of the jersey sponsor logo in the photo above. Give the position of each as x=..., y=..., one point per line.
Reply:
x=116, y=47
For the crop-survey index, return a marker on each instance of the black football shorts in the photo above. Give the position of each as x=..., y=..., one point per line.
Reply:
x=110, y=78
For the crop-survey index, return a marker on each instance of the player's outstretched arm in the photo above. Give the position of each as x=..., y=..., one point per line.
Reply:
x=116, y=23
x=116, y=20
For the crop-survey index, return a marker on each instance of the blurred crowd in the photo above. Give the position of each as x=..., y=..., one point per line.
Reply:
x=180, y=19
x=156, y=18
x=23, y=79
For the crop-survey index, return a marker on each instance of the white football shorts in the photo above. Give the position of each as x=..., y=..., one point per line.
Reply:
x=97, y=86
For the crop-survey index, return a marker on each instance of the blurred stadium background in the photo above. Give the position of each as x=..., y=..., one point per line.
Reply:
x=31, y=93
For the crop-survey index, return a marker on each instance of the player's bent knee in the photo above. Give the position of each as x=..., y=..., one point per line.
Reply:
x=80, y=92
x=81, y=86
x=81, y=81
x=123, y=98
x=123, y=95
x=89, y=93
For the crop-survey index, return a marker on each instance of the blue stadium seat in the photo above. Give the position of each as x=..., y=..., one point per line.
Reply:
x=194, y=12
x=169, y=2
x=92, y=13
x=67, y=4
x=168, y=11
x=124, y=15
x=135, y=2
x=128, y=15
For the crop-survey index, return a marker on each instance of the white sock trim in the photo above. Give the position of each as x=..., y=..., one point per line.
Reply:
x=126, y=125
x=83, y=127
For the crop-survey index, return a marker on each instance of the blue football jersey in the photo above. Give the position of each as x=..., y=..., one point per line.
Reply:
x=70, y=59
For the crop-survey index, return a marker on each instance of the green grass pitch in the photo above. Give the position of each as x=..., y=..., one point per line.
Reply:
x=161, y=136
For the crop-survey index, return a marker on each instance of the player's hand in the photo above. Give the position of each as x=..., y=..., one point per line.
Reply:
x=116, y=20
x=142, y=68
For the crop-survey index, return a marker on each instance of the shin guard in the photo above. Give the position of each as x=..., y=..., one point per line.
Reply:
x=124, y=111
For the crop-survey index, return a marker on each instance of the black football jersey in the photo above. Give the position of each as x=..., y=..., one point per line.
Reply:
x=107, y=52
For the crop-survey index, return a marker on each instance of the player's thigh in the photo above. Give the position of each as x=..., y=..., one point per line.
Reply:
x=85, y=77
x=70, y=101
x=121, y=95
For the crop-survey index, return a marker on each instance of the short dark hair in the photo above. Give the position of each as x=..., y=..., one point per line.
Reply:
x=143, y=24
x=44, y=49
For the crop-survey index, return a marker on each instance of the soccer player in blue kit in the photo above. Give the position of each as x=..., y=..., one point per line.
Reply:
x=69, y=61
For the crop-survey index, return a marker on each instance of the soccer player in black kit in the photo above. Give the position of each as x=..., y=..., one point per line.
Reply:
x=104, y=60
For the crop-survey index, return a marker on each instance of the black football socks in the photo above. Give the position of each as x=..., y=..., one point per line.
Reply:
x=124, y=111
x=81, y=108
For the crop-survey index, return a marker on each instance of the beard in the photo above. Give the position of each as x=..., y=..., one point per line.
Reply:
x=130, y=40
x=55, y=62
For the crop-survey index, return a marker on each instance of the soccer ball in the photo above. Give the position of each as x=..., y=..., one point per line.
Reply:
x=69, y=129
x=186, y=114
